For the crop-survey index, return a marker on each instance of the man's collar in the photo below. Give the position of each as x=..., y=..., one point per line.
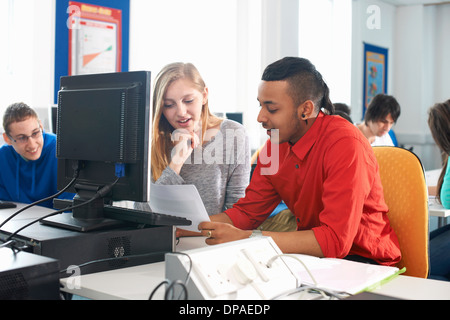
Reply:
x=305, y=143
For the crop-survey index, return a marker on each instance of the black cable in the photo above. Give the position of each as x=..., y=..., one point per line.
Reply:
x=115, y=258
x=170, y=289
x=171, y=285
x=101, y=193
x=12, y=245
x=75, y=177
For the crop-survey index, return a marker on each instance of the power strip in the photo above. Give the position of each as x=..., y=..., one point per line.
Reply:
x=234, y=270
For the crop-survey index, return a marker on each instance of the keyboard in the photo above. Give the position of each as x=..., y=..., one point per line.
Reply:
x=144, y=217
x=7, y=204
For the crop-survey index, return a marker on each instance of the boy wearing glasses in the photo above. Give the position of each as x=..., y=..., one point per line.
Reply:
x=28, y=159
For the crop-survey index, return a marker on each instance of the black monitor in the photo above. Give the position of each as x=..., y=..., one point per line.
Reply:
x=102, y=129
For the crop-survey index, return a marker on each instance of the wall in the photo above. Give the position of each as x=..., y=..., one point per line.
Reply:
x=417, y=38
x=382, y=37
x=26, y=69
x=418, y=75
x=422, y=74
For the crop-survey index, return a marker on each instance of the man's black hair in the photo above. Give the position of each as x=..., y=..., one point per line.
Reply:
x=306, y=83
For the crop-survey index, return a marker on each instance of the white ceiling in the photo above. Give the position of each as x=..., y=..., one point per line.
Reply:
x=414, y=2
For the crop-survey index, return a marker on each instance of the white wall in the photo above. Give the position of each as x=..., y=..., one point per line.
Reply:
x=417, y=38
x=419, y=68
x=422, y=74
x=382, y=37
x=27, y=67
x=27, y=57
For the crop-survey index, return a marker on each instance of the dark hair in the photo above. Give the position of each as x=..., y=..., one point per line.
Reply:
x=305, y=82
x=342, y=107
x=438, y=121
x=17, y=112
x=380, y=106
x=344, y=115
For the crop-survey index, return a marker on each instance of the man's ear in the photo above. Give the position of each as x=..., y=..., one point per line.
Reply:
x=6, y=138
x=306, y=110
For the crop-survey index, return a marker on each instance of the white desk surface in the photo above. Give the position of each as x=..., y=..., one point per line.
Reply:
x=435, y=209
x=137, y=283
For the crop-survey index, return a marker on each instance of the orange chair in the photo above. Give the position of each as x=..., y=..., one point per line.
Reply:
x=405, y=193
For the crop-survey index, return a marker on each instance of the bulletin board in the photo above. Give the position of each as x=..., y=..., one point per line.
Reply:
x=375, y=72
x=95, y=39
x=91, y=36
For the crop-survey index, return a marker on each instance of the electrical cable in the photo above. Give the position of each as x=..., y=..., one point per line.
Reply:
x=101, y=193
x=323, y=292
x=172, y=284
x=271, y=260
x=114, y=259
x=75, y=177
x=12, y=245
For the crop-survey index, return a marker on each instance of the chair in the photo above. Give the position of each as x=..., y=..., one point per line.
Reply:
x=405, y=193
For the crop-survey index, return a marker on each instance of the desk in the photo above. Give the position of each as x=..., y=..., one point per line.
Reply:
x=435, y=209
x=136, y=283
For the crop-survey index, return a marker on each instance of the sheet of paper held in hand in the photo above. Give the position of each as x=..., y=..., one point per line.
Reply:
x=179, y=200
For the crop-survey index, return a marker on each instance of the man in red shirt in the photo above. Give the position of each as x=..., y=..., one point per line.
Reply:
x=325, y=172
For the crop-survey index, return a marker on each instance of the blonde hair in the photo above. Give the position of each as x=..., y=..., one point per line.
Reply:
x=161, y=129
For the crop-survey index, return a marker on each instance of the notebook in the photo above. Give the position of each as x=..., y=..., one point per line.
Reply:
x=340, y=275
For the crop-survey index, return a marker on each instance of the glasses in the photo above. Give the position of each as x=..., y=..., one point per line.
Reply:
x=23, y=139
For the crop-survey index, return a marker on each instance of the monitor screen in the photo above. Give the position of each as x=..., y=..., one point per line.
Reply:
x=102, y=126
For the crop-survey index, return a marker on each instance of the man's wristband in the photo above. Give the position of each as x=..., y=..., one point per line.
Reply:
x=256, y=233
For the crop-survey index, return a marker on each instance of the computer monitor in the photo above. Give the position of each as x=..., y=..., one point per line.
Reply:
x=102, y=127
x=52, y=116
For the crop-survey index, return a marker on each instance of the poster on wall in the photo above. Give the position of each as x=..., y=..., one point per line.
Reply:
x=94, y=39
x=375, y=72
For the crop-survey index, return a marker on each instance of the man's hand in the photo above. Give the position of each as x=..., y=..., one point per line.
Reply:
x=220, y=232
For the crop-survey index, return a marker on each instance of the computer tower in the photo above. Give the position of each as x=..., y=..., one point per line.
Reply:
x=93, y=251
x=27, y=276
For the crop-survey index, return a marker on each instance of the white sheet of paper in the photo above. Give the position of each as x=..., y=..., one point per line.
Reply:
x=179, y=200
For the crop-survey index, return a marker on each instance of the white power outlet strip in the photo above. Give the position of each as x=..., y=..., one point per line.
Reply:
x=234, y=270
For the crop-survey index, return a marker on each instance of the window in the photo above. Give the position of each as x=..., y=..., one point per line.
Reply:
x=222, y=38
x=325, y=38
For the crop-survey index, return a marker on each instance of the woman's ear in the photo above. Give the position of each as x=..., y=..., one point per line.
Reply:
x=205, y=95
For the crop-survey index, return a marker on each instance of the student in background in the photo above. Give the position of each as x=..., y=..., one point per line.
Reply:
x=381, y=114
x=343, y=110
x=439, y=123
x=28, y=159
x=192, y=146
x=327, y=176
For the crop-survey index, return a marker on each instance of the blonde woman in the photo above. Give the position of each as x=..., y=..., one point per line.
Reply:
x=192, y=146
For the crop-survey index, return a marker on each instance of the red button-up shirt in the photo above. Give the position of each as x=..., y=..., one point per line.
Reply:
x=329, y=180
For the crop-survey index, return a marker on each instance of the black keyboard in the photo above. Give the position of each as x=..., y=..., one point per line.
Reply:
x=144, y=217
x=7, y=204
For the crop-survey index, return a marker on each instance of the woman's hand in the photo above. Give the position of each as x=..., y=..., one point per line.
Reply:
x=184, y=143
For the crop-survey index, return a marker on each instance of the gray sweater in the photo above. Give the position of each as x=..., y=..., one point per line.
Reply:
x=220, y=169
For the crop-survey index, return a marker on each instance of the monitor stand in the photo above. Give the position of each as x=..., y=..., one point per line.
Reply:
x=86, y=218
x=90, y=215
